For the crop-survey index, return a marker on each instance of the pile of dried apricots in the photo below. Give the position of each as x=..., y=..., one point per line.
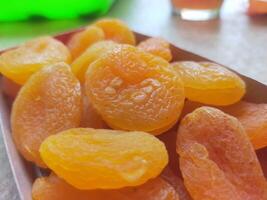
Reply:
x=101, y=112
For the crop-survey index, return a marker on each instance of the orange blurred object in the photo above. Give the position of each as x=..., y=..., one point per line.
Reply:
x=257, y=7
x=197, y=10
x=198, y=4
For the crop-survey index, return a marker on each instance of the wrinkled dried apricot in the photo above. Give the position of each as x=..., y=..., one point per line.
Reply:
x=20, y=63
x=217, y=160
x=90, y=117
x=97, y=50
x=253, y=117
x=210, y=83
x=158, y=47
x=10, y=88
x=116, y=30
x=135, y=90
x=49, y=102
x=80, y=41
x=54, y=188
x=104, y=159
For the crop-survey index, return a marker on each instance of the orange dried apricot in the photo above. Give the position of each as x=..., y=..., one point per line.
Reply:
x=135, y=90
x=116, y=30
x=253, y=117
x=97, y=50
x=90, y=117
x=80, y=41
x=49, y=102
x=210, y=83
x=217, y=160
x=20, y=63
x=104, y=159
x=10, y=88
x=54, y=188
x=157, y=46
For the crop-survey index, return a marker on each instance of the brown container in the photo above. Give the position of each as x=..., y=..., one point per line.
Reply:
x=24, y=172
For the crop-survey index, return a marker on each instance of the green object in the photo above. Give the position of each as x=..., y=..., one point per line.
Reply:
x=14, y=10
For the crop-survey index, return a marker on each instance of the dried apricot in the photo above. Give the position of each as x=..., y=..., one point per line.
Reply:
x=80, y=41
x=158, y=47
x=217, y=160
x=116, y=30
x=135, y=90
x=10, y=88
x=97, y=50
x=54, y=188
x=90, y=117
x=210, y=83
x=104, y=159
x=49, y=102
x=20, y=63
x=253, y=117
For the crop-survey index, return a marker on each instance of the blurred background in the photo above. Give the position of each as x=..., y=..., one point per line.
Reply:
x=230, y=32
x=236, y=38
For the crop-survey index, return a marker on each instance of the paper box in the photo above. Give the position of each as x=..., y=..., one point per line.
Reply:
x=24, y=172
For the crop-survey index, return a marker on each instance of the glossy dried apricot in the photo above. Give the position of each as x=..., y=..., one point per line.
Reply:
x=80, y=41
x=97, y=50
x=210, y=83
x=253, y=117
x=116, y=30
x=104, y=159
x=10, y=88
x=54, y=188
x=217, y=160
x=49, y=102
x=157, y=46
x=135, y=90
x=90, y=117
x=20, y=63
